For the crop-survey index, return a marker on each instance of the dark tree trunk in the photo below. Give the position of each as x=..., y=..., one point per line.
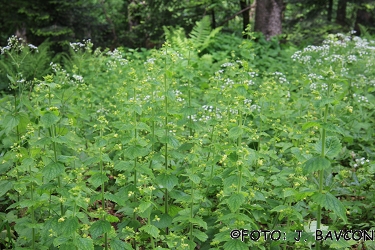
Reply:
x=341, y=12
x=245, y=17
x=329, y=10
x=213, y=24
x=268, y=15
x=364, y=18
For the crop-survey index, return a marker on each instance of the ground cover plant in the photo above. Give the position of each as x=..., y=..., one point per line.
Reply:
x=182, y=150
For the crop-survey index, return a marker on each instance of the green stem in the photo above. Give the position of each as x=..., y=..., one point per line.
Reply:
x=166, y=131
x=102, y=191
x=319, y=215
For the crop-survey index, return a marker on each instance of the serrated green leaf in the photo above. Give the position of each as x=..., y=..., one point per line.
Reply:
x=330, y=202
x=279, y=208
x=316, y=163
x=5, y=186
x=124, y=166
x=332, y=147
x=143, y=126
x=49, y=119
x=52, y=170
x=194, y=178
x=235, y=132
x=135, y=151
x=84, y=243
x=200, y=235
x=164, y=222
x=333, y=128
x=111, y=218
x=151, y=230
x=198, y=221
x=235, y=244
x=297, y=153
x=170, y=140
x=311, y=124
x=99, y=228
x=10, y=122
x=144, y=206
x=167, y=181
x=69, y=226
x=98, y=179
x=235, y=202
x=117, y=244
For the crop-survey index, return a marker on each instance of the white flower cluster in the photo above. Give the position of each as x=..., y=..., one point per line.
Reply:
x=255, y=107
x=227, y=64
x=319, y=86
x=87, y=44
x=78, y=78
x=313, y=77
x=281, y=77
x=360, y=98
x=178, y=95
x=361, y=161
x=16, y=43
x=115, y=59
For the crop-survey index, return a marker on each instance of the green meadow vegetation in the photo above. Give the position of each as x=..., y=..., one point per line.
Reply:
x=179, y=147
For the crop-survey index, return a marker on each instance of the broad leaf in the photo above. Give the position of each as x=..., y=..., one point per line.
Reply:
x=135, y=151
x=99, y=228
x=151, y=230
x=117, y=244
x=167, y=181
x=69, y=226
x=200, y=235
x=235, y=132
x=235, y=202
x=332, y=147
x=330, y=202
x=235, y=244
x=98, y=179
x=315, y=164
x=84, y=243
x=49, y=119
x=52, y=170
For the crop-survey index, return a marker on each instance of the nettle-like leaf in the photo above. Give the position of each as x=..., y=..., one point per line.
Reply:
x=52, y=170
x=99, y=228
x=84, y=243
x=235, y=202
x=135, y=151
x=98, y=179
x=117, y=244
x=167, y=181
x=235, y=244
x=151, y=230
x=49, y=119
x=330, y=202
x=235, y=132
x=315, y=164
x=332, y=147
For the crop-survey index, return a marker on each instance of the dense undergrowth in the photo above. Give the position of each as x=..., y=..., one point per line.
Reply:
x=177, y=150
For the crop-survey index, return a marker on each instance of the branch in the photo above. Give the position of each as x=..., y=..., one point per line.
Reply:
x=233, y=16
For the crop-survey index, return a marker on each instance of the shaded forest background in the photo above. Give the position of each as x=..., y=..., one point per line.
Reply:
x=139, y=24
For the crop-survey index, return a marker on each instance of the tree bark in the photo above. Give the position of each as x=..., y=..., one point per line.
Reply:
x=364, y=18
x=341, y=12
x=329, y=10
x=245, y=17
x=268, y=15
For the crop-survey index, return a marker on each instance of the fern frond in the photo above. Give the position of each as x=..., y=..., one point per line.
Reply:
x=201, y=36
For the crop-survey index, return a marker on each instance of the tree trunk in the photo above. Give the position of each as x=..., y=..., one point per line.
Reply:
x=329, y=14
x=364, y=18
x=341, y=12
x=213, y=24
x=245, y=17
x=268, y=15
